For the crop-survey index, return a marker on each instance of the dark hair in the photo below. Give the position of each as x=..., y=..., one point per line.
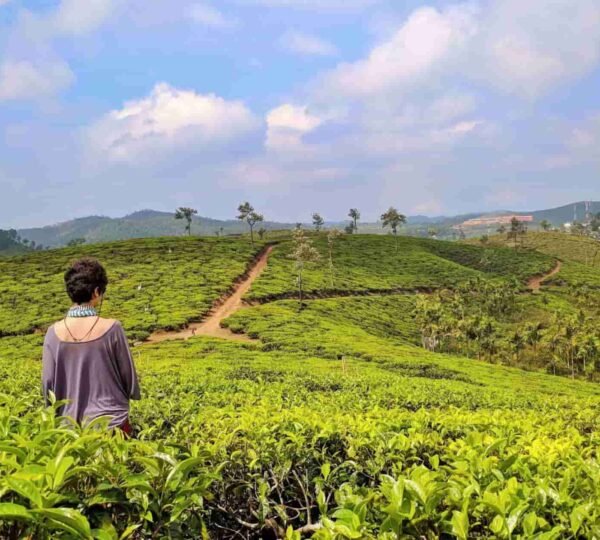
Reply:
x=83, y=278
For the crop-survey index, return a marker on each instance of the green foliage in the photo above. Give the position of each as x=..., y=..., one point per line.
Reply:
x=186, y=213
x=337, y=424
x=372, y=263
x=234, y=438
x=154, y=283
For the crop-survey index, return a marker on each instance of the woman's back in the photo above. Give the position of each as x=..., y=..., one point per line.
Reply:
x=97, y=375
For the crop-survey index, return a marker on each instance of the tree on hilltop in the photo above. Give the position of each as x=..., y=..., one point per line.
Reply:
x=186, y=213
x=318, y=221
x=393, y=219
x=354, y=215
x=247, y=214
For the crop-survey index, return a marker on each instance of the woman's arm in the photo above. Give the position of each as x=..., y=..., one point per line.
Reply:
x=48, y=365
x=125, y=363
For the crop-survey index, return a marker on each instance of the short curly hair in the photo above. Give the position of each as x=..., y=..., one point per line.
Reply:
x=83, y=277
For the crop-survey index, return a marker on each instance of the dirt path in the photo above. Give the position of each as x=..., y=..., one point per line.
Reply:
x=211, y=326
x=535, y=283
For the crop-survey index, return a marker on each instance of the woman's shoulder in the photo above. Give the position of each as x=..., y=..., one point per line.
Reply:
x=103, y=327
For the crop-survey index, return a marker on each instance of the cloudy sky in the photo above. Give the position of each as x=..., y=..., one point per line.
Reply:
x=111, y=106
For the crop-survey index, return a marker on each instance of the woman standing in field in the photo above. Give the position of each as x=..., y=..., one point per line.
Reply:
x=86, y=358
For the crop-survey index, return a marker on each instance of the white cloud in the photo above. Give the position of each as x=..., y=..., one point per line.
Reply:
x=307, y=44
x=427, y=39
x=207, y=15
x=315, y=5
x=287, y=124
x=168, y=117
x=527, y=48
x=22, y=80
x=77, y=17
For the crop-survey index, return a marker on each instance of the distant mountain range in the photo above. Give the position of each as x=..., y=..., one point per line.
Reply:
x=147, y=223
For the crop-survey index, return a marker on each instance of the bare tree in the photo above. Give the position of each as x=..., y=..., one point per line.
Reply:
x=393, y=219
x=247, y=214
x=303, y=254
x=186, y=213
x=332, y=236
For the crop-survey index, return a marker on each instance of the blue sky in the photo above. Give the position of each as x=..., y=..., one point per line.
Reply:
x=107, y=107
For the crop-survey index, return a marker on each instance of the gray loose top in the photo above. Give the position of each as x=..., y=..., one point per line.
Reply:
x=97, y=377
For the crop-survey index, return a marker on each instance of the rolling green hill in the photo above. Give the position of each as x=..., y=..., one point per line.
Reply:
x=142, y=224
x=372, y=263
x=334, y=424
x=160, y=283
x=9, y=244
x=151, y=223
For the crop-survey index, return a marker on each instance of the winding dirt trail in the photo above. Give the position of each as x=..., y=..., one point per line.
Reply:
x=535, y=283
x=211, y=326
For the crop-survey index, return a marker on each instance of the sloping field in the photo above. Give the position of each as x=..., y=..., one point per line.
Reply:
x=158, y=283
x=371, y=263
x=563, y=246
x=335, y=425
x=580, y=255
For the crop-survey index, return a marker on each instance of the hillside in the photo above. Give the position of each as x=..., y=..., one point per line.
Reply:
x=10, y=244
x=565, y=246
x=331, y=421
x=565, y=214
x=150, y=223
x=142, y=224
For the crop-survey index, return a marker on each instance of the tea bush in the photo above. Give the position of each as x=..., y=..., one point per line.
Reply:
x=335, y=425
x=234, y=440
x=371, y=263
x=156, y=283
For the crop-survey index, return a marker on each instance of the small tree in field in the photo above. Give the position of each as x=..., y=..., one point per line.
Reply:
x=303, y=254
x=517, y=229
x=545, y=225
x=349, y=229
x=393, y=219
x=186, y=213
x=354, y=215
x=318, y=221
x=247, y=214
x=261, y=233
x=332, y=236
x=501, y=229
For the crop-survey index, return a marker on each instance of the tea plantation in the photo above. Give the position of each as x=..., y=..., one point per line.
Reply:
x=157, y=283
x=334, y=424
